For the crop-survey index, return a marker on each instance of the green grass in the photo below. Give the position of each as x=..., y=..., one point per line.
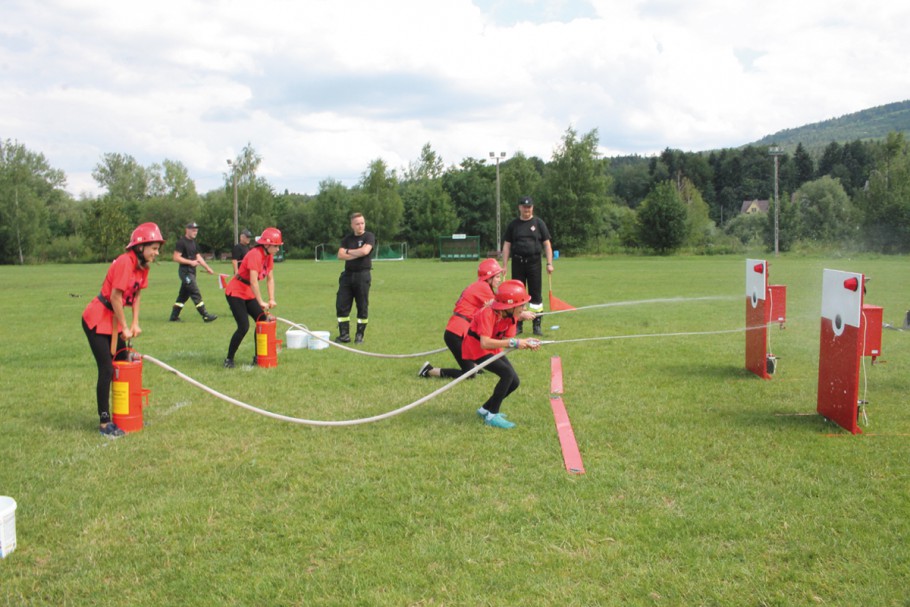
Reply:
x=704, y=485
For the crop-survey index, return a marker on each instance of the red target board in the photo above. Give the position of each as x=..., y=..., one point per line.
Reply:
x=840, y=348
x=872, y=331
x=758, y=314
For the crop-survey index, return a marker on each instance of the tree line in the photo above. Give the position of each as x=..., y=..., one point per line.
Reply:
x=852, y=195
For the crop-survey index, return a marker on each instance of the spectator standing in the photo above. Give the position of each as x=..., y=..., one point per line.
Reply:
x=525, y=238
x=354, y=282
x=241, y=249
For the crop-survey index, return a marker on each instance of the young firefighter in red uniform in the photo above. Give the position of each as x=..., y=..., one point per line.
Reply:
x=493, y=329
x=476, y=295
x=104, y=320
x=243, y=293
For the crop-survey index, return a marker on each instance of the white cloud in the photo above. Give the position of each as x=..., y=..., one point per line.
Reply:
x=322, y=88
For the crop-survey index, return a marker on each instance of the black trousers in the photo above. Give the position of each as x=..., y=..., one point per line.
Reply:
x=508, y=381
x=453, y=342
x=528, y=271
x=353, y=287
x=243, y=310
x=189, y=289
x=101, y=350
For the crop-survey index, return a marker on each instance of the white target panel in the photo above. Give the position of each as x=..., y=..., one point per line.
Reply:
x=842, y=299
x=756, y=280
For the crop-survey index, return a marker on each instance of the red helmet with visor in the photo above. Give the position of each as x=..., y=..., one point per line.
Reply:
x=511, y=294
x=488, y=268
x=270, y=237
x=144, y=234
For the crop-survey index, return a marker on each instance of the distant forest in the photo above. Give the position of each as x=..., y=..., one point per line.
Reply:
x=841, y=183
x=866, y=125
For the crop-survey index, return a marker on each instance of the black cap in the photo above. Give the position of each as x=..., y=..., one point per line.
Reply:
x=247, y=233
x=192, y=226
x=526, y=201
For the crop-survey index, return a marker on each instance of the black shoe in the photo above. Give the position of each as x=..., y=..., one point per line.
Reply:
x=228, y=363
x=358, y=339
x=425, y=370
x=209, y=317
x=343, y=339
x=110, y=430
x=538, y=330
x=175, y=319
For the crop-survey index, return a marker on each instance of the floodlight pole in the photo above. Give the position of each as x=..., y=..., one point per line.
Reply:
x=776, y=152
x=236, y=218
x=498, y=205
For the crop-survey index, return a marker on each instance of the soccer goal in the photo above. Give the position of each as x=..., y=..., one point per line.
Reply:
x=459, y=247
x=396, y=251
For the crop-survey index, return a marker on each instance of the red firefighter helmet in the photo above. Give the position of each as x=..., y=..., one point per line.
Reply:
x=270, y=237
x=144, y=234
x=511, y=294
x=488, y=268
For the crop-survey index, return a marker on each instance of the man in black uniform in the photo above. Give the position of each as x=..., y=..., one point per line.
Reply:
x=354, y=283
x=241, y=249
x=524, y=239
x=187, y=255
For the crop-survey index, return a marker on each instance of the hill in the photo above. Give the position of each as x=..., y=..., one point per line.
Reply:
x=870, y=124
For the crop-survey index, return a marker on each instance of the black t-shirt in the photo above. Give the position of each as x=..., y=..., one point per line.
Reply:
x=526, y=237
x=187, y=247
x=239, y=251
x=355, y=242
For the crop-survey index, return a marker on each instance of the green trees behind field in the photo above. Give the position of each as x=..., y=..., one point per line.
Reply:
x=855, y=194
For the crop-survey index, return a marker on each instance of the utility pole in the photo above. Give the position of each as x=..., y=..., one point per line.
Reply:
x=236, y=217
x=776, y=152
x=498, y=205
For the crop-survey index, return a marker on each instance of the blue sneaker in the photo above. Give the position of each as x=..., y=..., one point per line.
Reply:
x=483, y=414
x=111, y=430
x=498, y=421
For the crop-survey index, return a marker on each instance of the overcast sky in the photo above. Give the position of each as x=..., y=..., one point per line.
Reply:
x=322, y=88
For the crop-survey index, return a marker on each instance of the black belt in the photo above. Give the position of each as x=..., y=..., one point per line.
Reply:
x=105, y=302
x=246, y=282
x=525, y=259
x=462, y=316
x=474, y=335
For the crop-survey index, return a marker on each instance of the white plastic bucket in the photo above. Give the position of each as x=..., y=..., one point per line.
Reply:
x=296, y=339
x=317, y=344
x=7, y=525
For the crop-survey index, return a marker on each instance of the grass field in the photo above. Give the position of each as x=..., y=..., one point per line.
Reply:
x=704, y=485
